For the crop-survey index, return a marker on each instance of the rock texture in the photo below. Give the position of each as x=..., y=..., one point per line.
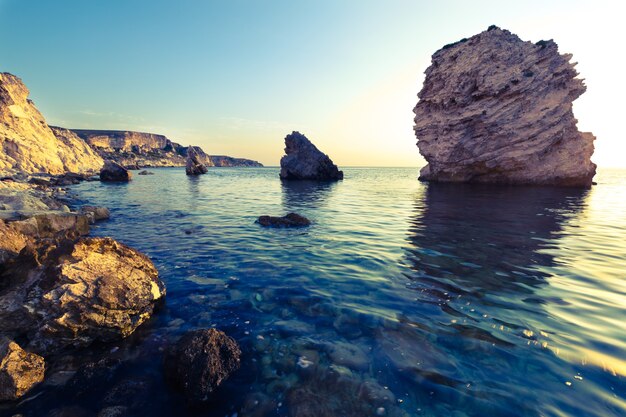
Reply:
x=19, y=370
x=194, y=165
x=290, y=220
x=303, y=161
x=114, y=172
x=200, y=361
x=71, y=293
x=496, y=109
x=138, y=149
x=29, y=145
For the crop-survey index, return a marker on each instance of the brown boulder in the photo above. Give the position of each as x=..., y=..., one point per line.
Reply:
x=200, y=361
x=114, y=172
x=72, y=293
x=19, y=370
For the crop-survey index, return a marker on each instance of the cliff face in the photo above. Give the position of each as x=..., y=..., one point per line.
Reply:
x=496, y=109
x=27, y=142
x=138, y=149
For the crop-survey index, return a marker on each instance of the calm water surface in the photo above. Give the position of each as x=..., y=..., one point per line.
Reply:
x=402, y=299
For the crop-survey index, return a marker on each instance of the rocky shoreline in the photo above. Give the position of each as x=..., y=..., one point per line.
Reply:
x=62, y=292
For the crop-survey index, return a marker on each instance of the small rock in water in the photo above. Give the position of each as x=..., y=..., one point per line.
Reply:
x=200, y=361
x=114, y=172
x=290, y=220
x=144, y=172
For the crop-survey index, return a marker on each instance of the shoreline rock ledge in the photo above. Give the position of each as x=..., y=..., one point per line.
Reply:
x=496, y=109
x=303, y=161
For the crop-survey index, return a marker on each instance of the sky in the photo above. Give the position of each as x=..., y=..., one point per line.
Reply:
x=236, y=76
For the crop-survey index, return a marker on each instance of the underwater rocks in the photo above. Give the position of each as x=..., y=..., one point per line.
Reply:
x=303, y=161
x=194, y=166
x=114, y=172
x=496, y=109
x=19, y=370
x=200, y=361
x=27, y=144
x=71, y=293
x=290, y=220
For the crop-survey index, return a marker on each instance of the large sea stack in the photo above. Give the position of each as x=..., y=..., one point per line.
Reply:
x=303, y=161
x=27, y=144
x=496, y=109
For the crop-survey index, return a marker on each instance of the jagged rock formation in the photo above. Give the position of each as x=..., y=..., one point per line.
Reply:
x=200, y=361
x=28, y=144
x=496, y=109
x=194, y=165
x=303, y=161
x=114, y=172
x=71, y=293
x=138, y=149
x=19, y=370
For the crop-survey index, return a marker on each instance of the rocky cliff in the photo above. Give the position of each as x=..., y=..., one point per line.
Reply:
x=494, y=108
x=27, y=142
x=139, y=149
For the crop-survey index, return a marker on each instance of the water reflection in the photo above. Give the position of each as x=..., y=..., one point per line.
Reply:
x=304, y=194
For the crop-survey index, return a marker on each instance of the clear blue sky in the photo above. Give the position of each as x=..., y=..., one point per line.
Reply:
x=236, y=76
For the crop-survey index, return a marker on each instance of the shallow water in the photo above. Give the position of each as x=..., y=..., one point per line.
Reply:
x=402, y=299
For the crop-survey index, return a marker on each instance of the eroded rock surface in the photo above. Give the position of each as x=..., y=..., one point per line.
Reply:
x=27, y=144
x=19, y=370
x=303, y=161
x=114, y=172
x=200, y=361
x=496, y=109
x=194, y=164
x=72, y=293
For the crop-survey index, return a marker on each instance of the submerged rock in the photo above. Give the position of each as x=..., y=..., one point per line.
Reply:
x=194, y=164
x=303, y=161
x=72, y=293
x=200, y=361
x=19, y=370
x=144, y=172
x=114, y=172
x=290, y=220
x=496, y=109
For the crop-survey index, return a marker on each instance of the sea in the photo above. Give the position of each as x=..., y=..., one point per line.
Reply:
x=402, y=298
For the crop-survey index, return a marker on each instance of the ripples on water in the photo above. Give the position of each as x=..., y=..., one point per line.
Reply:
x=402, y=299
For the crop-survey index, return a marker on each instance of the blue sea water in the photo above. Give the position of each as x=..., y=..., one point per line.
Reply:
x=402, y=298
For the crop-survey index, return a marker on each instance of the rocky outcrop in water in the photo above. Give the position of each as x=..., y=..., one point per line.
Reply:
x=27, y=144
x=194, y=166
x=19, y=370
x=496, y=109
x=303, y=161
x=135, y=150
x=64, y=293
x=114, y=172
x=200, y=361
x=290, y=220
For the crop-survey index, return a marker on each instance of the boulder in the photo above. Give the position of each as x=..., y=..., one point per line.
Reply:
x=303, y=161
x=194, y=165
x=290, y=220
x=496, y=109
x=95, y=213
x=19, y=370
x=52, y=225
x=114, y=172
x=68, y=293
x=200, y=361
